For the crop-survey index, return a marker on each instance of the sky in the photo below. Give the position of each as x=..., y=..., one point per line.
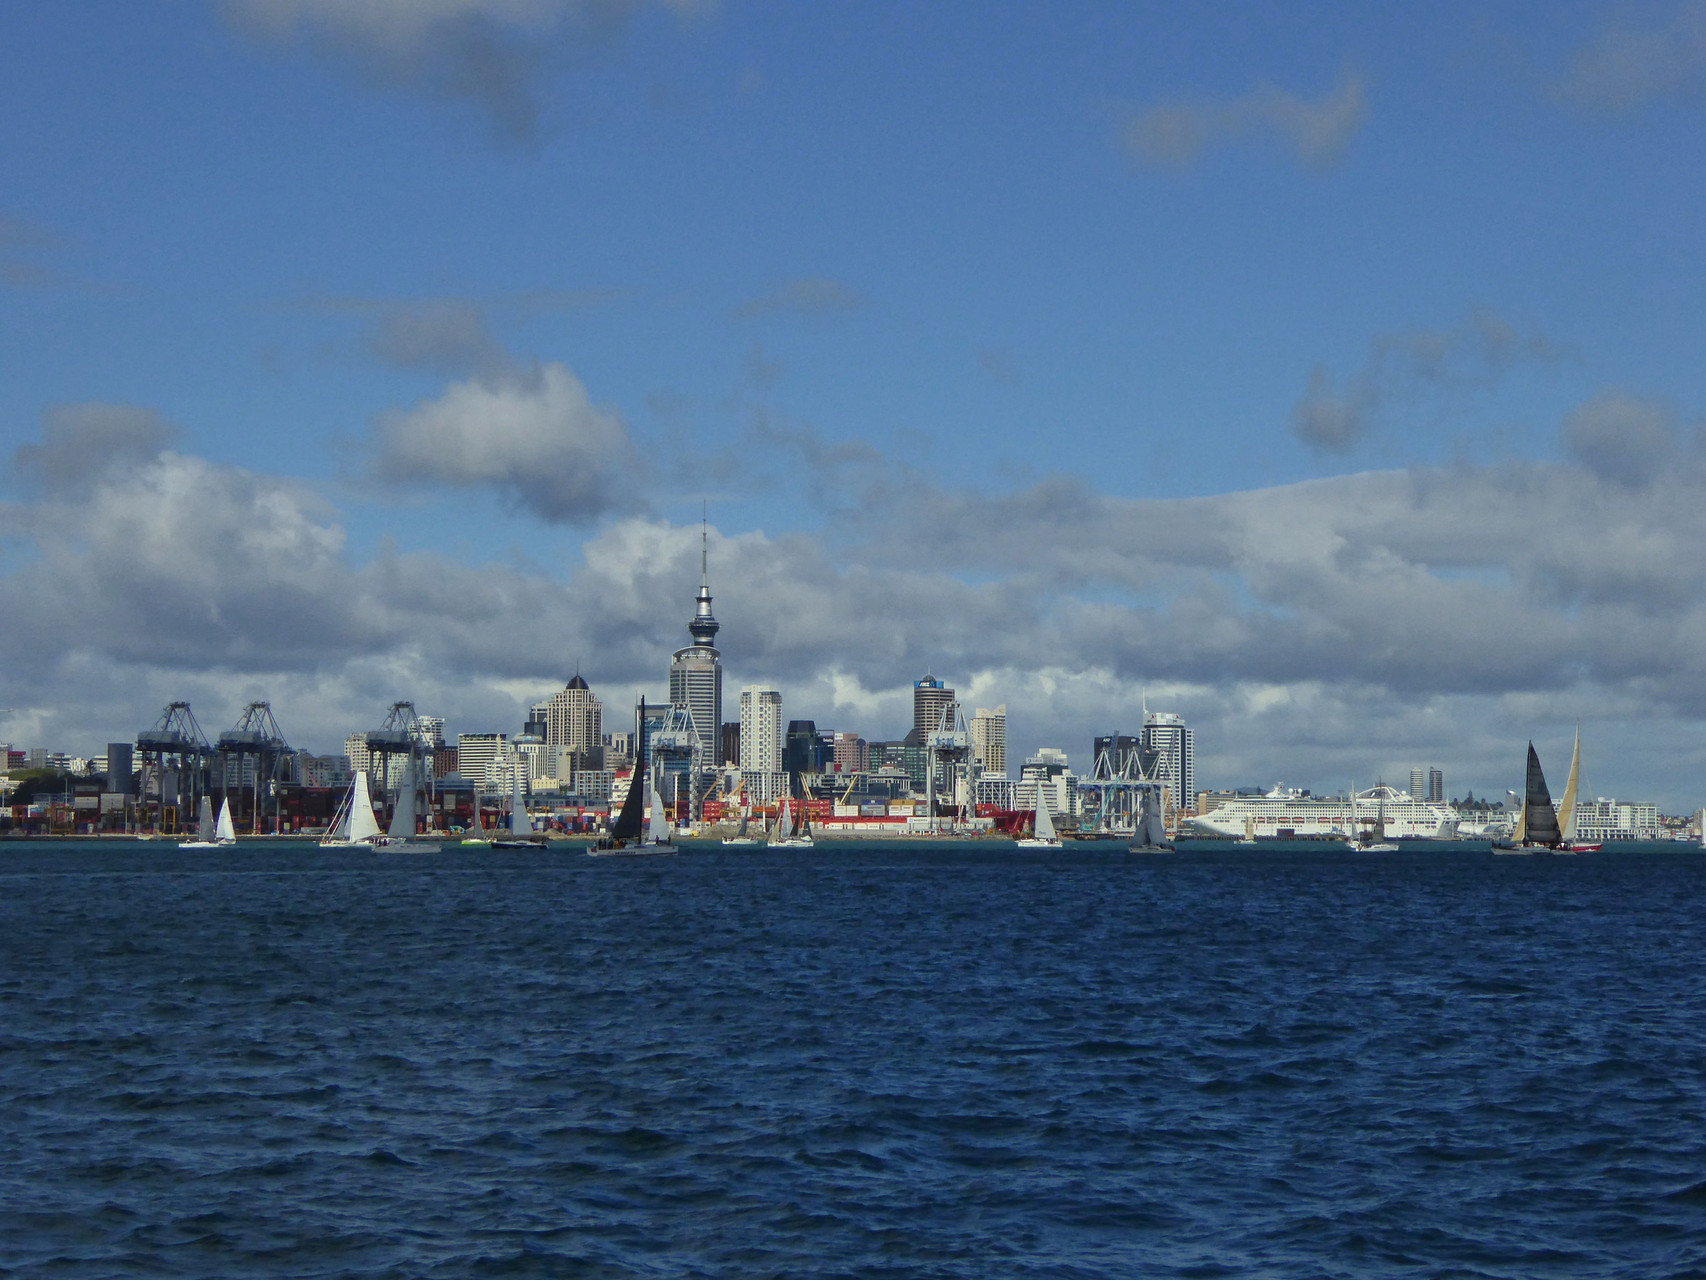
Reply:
x=1328, y=374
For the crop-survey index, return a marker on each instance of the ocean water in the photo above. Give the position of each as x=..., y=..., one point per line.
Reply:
x=876, y=1061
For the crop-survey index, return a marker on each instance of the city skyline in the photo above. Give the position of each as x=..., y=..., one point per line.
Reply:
x=1318, y=371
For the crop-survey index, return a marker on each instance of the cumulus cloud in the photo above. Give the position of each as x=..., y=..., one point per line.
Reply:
x=1624, y=67
x=808, y=296
x=490, y=53
x=1316, y=131
x=1312, y=632
x=83, y=442
x=1334, y=416
x=532, y=434
x=1620, y=436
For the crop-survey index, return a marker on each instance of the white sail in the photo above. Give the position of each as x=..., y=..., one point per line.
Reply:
x=403, y=816
x=660, y=819
x=204, y=828
x=1567, y=806
x=784, y=820
x=362, y=826
x=1045, y=823
x=474, y=826
x=225, y=831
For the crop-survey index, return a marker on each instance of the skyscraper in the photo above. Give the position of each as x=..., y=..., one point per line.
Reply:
x=574, y=719
x=760, y=729
x=1166, y=735
x=696, y=674
x=1419, y=783
x=1436, y=786
x=929, y=697
x=989, y=738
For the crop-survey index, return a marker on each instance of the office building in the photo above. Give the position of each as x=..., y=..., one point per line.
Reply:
x=1436, y=786
x=851, y=754
x=574, y=719
x=989, y=738
x=479, y=757
x=804, y=750
x=696, y=672
x=930, y=697
x=731, y=743
x=1168, y=737
x=760, y=729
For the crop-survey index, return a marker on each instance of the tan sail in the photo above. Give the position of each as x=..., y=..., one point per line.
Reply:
x=1567, y=806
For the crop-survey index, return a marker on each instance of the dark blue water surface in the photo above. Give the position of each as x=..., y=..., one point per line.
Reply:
x=877, y=1061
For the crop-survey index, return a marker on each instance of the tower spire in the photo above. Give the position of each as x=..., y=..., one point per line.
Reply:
x=704, y=626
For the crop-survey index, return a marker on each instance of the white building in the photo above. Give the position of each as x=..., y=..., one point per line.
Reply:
x=760, y=730
x=1048, y=776
x=1167, y=736
x=1602, y=819
x=477, y=755
x=988, y=731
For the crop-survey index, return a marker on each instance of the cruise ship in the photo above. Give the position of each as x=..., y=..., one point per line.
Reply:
x=1287, y=814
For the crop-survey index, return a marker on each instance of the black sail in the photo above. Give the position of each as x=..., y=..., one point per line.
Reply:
x=628, y=822
x=1542, y=819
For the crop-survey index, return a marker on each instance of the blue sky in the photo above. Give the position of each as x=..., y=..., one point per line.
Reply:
x=977, y=327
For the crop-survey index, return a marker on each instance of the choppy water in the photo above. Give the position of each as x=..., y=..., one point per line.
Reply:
x=875, y=1062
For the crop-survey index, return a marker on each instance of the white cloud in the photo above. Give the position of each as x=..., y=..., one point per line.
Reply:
x=1316, y=632
x=531, y=434
x=1316, y=131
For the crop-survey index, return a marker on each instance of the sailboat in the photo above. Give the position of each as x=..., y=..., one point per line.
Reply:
x=1249, y=829
x=400, y=836
x=211, y=834
x=1152, y=831
x=353, y=826
x=629, y=837
x=1537, y=825
x=785, y=836
x=1567, y=806
x=742, y=836
x=520, y=825
x=476, y=834
x=1372, y=839
x=1042, y=831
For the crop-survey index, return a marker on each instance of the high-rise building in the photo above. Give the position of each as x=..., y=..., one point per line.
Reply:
x=1167, y=736
x=760, y=729
x=929, y=697
x=1436, y=786
x=804, y=750
x=574, y=719
x=1120, y=748
x=852, y=754
x=1419, y=783
x=356, y=750
x=731, y=743
x=431, y=731
x=988, y=731
x=480, y=757
x=696, y=673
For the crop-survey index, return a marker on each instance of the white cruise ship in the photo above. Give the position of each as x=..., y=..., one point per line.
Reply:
x=1288, y=814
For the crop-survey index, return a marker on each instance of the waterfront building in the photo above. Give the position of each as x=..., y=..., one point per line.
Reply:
x=852, y=754
x=1174, y=750
x=764, y=786
x=760, y=729
x=1602, y=819
x=696, y=672
x=120, y=768
x=331, y=772
x=988, y=731
x=594, y=786
x=431, y=732
x=1436, y=786
x=574, y=719
x=731, y=743
x=930, y=697
x=358, y=754
x=995, y=789
x=1419, y=783
x=1047, y=776
x=804, y=750
x=479, y=756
